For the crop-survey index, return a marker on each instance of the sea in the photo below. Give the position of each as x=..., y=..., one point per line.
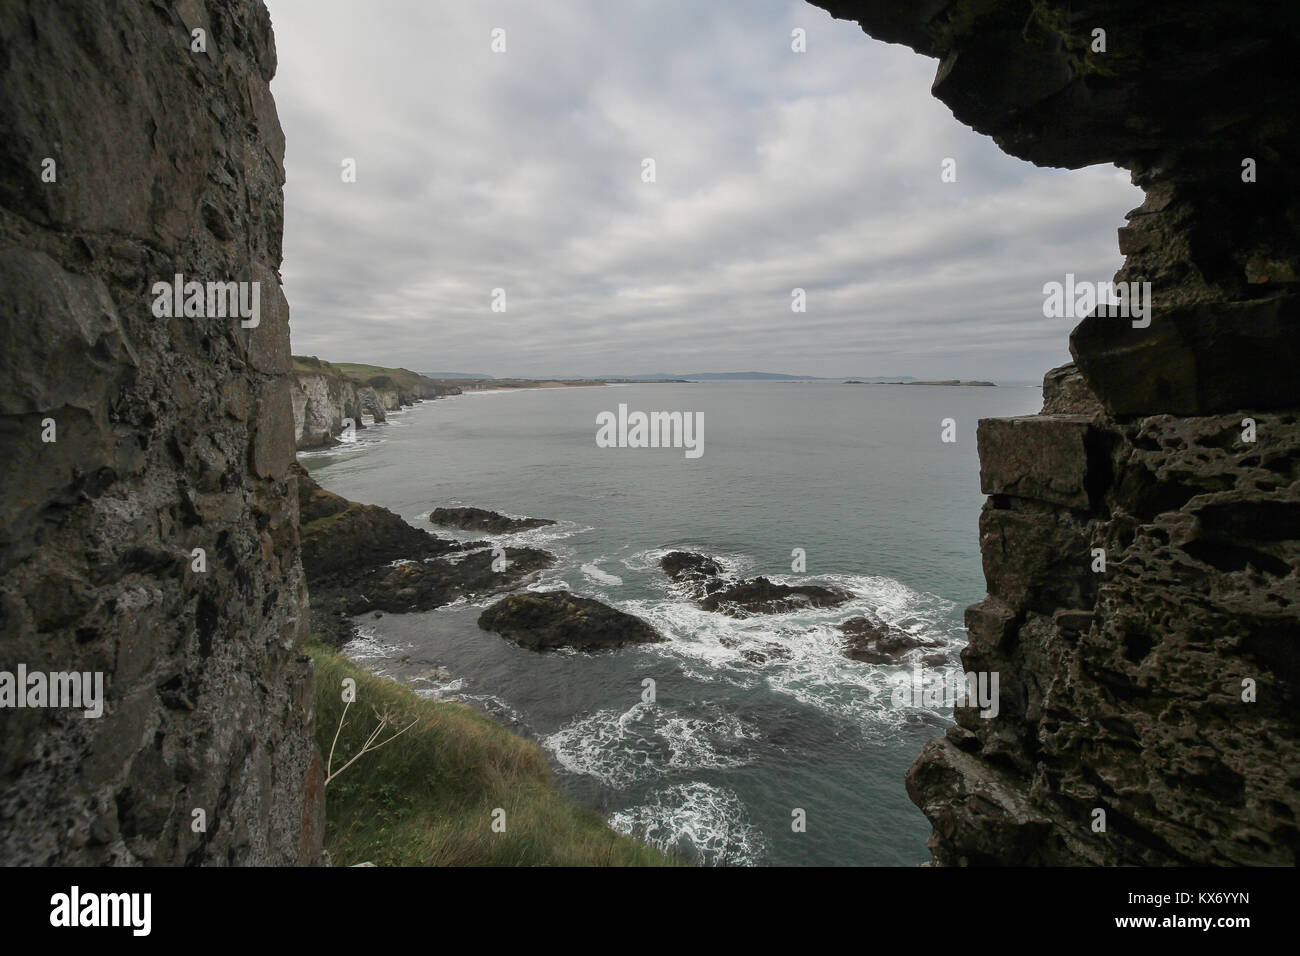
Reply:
x=794, y=755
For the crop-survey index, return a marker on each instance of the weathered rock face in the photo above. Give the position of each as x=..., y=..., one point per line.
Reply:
x=171, y=435
x=327, y=396
x=1122, y=684
x=324, y=400
x=342, y=539
x=401, y=386
x=1161, y=685
x=372, y=403
x=321, y=406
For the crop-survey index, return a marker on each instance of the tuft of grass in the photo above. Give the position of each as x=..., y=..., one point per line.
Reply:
x=428, y=798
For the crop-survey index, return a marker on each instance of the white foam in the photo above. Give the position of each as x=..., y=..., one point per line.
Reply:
x=649, y=740
x=600, y=577
x=360, y=443
x=367, y=647
x=437, y=690
x=543, y=538
x=695, y=818
x=542, y=585
x=373, y=654
x=733, y=564
x=803, y=649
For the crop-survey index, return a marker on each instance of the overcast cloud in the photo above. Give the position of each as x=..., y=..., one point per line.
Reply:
x=478, y=170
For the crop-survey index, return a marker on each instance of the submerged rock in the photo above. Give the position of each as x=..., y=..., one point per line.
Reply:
x=479, y=519
x=761, y=655
x=680, y=564
x=761, y=596
x=875, y=642
x=561, y=619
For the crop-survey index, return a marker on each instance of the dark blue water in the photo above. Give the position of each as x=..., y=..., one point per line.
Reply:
x=855, y=475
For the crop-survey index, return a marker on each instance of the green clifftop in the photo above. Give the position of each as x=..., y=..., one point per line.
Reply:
x=430, y=797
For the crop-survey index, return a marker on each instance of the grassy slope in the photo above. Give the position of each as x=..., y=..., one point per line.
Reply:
x=304, y=367
x=404, y=377
x=427, y=798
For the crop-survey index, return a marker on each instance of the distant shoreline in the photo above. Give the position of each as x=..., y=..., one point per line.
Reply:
x=513, y=385
x=950, y=382
x=510, y=385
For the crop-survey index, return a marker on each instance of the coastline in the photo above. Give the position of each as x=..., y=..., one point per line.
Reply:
x=433, y=666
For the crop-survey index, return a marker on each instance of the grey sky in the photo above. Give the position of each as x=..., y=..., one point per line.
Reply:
x=522, y=170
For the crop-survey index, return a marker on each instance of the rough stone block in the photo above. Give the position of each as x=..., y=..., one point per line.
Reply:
x=1040, y=457
x=1036, y=559
x=1194, y=360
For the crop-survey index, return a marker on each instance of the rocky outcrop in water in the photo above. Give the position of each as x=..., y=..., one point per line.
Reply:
x=1140, y=539
x=552, y=619
x=489, y=522
x=761, y=596
x=148, y=517
x=703, y=578
x=342, y=539
x=361, y=558
x=872, y=641
x=696, y=573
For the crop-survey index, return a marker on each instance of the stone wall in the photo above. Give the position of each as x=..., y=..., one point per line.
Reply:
x=171, y=434
x=1160, y=688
